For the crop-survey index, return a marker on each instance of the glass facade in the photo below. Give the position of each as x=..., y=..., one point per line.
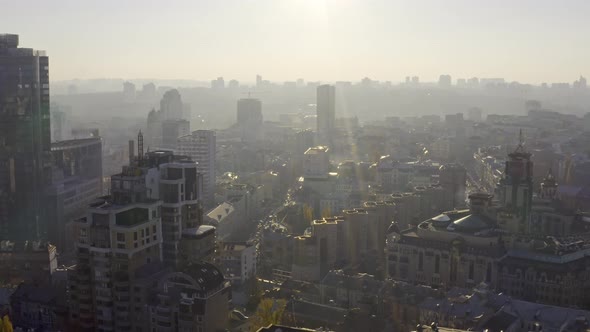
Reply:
x=25, y=151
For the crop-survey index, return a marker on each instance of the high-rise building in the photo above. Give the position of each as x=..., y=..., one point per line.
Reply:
x=249, y=112
x=154, y=129
x=200, y=147
x=139, y=238
x=115, y=241
x=445, y=81
x=218, y=83
x=148, y=91
x=60, y=124
x=129, y=90
x=167, y=124
x=326, y=111
x=174, y=182
x=77, y=180
x=172, y=130
x=249, y=119
x=25, y=138
x=171, y=105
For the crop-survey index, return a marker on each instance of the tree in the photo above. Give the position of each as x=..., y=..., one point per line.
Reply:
x=269, y=311
x=254, y=292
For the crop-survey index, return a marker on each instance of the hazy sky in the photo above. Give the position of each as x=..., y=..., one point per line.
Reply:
x=525, y=40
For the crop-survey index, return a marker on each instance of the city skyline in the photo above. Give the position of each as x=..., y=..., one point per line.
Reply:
x=317, y=40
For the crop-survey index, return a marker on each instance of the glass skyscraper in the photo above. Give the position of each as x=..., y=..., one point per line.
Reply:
x=25, y=151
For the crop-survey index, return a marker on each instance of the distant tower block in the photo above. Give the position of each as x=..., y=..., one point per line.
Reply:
x=140, y=146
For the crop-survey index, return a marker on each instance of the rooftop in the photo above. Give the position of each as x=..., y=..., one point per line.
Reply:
x=221, y=211
x=198, y=232
x=317, y=150
x=74, y=143
x=282, y=328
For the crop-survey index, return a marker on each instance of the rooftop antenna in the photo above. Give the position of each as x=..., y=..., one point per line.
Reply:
x=140, y=146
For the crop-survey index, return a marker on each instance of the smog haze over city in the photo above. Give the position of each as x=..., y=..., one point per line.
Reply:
x=297, y=165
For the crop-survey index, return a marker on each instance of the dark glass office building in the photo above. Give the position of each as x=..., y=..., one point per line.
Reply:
x=25, y=150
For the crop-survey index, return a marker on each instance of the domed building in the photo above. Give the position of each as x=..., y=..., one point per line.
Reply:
x=527, y=246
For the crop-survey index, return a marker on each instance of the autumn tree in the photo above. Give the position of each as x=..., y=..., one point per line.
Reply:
x=269, y=312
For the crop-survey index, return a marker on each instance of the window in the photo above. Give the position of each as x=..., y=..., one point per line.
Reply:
x=135, y=236
x=437, y=264
x=471, y=270
x=147, y=231
x=120, y=245
x=121, y=237
x=420, y=261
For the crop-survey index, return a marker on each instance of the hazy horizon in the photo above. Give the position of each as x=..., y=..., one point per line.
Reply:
x=526, y=41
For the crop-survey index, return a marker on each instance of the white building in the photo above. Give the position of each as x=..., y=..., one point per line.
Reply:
x=316, y=163
x=238, y=261
x=200, y=147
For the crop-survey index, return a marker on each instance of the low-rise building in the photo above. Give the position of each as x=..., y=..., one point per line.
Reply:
x=42, y=308
x=238, y=261
x=27, y=261
x=194, y=300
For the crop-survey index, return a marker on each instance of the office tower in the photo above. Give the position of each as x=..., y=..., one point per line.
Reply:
x=167, y=124
x=444, y=81
x=172, y=130
x=171, y=105
x=148, y=91
x=326, y=111
x=200, y=147
x=129, y=91
x=77, y=180
x=61, y=128
x=25, y=138
x=249, y=112
x=249, y=119
x=154, y=129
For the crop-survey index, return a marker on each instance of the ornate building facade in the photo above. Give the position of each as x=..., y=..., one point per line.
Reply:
x=524, y=244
